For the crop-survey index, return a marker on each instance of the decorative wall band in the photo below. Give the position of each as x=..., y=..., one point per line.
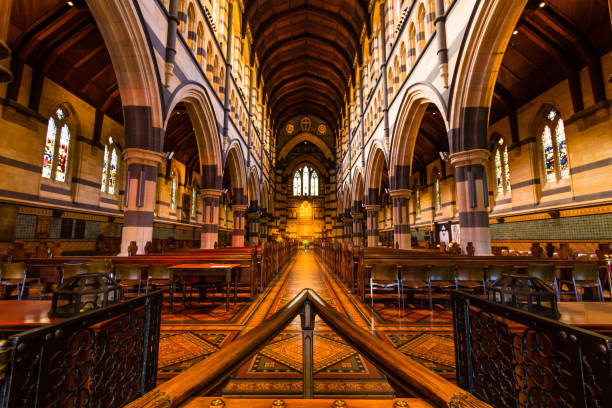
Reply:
x=564, y=189
x=476, y=219
x=87, y=183
x=591, y=166
x=461, y=173
x=138, y=219
x=108, y=201
x=55, y=190
x=401, y=229
x=20, y=165
x=525, y=183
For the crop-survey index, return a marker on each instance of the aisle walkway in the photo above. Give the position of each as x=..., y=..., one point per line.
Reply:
x=194, y=334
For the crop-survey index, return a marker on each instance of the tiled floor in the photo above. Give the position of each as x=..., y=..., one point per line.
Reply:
x=191, y=335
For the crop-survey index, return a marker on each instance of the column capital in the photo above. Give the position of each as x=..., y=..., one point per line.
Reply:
x=239, y=207
x=133, y=155
x=372, y=207
x=400, y=193
x=210, y=193
x=468, y=157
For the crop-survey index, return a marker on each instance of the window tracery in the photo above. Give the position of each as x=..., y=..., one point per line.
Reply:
x=306, y=182
x=109, y=167
x=554, y=147
x=55, y=156
x=502, y=169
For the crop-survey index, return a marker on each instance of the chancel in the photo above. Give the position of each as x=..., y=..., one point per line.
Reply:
x=338, y=203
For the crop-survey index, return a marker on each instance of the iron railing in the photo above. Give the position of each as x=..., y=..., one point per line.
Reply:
x=103, y=358
x=407, y=376
x=511, y=358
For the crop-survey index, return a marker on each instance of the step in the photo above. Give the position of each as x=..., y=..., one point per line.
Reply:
x=204, y=402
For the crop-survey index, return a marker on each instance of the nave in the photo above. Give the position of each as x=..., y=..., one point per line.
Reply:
x=194, y=334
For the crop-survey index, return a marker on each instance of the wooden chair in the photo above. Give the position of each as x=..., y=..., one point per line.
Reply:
x=494, y=272
x=470, y=278
x=586, y=276
x=15, y=275
x=384, y=276
x=128, y=275
x=69, y=270
x=159, y=276
x=415, y=278
x=103, y=266
x=545, y=272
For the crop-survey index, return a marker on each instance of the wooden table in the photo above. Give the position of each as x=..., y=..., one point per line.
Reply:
x=594, y=316
x=21, y=315
x=205, y=269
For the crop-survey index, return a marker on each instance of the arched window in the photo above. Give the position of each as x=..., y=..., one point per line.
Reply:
x=502, y=170
x=109, y=167
x=412, y=44
x=421, y=27
x=200, y=45
x=305, y=182
x=182, y=17
x=173, y=188
x=194, y=203
x=431, y=17
x=191, y=30
x=55, y=157
x=437, y=196
x=417, y=202
x=554, y=147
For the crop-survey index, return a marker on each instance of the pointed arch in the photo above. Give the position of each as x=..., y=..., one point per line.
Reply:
x=254, y=192
x=377, y=159
x=206, y=131
x=234, y=163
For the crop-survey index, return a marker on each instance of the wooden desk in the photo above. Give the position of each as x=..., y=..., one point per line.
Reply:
x=594, y=316
x=21, y=315
x=205, y=269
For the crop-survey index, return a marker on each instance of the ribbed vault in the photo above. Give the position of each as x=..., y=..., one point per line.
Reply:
x=307, y=49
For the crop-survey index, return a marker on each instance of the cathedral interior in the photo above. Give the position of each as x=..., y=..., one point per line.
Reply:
x=306, y=203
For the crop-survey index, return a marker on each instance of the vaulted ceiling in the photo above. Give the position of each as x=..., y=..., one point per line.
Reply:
x=63, y=42
x=306, y=50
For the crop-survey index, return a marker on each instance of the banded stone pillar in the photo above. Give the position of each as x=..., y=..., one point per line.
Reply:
x=401, y=220
x=210, y=217
x=239, y=224
x=473, y=198
x=139, y=198
x=263, y=226
x=372, y=224
x=357, y=228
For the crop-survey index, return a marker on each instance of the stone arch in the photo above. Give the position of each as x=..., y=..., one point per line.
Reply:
x=477, y=69
x=406, y=129
x=134, y=64
x=254, y=193
x=206, y=131
x=346, y=197
x=234, y=161
x=300, y=161
x=309, y=137
x=358, y=185
x=377, y=159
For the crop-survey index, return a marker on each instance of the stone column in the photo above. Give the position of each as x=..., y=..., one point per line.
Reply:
x=239, y=221
x=210, y=217
x=473, y=198
x=357, y=228
x=401, y=220
x=372, y=224
x=139, y=198
x=263, y=225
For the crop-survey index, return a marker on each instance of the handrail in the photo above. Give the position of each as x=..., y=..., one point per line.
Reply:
x=209, y=374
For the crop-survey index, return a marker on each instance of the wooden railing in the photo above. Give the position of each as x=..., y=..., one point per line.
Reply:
x=410, y=377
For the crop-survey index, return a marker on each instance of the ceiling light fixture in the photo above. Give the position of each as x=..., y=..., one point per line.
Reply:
x=515, y=32
x=542, y=4
x=70, y=3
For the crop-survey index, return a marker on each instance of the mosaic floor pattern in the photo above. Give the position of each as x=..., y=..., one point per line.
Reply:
x=196, y=332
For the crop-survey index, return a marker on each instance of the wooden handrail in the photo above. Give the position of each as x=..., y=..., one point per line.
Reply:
x=209, y=374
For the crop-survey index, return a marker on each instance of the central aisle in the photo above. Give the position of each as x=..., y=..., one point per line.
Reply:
x=196, y=333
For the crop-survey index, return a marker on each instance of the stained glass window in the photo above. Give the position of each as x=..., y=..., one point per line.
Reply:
x=314, y=185
x=297, y=184
x=55, y=156
x=556, y=163
x=437, y=192
x=49, y=148
x=305, y=181
x=112, y=180
x=506, y=169
x=105, y=169
x=562, y=149
x=418, y=202
x=498, y=172
x=193, y=202
x=173, y=192
x=549, y=155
